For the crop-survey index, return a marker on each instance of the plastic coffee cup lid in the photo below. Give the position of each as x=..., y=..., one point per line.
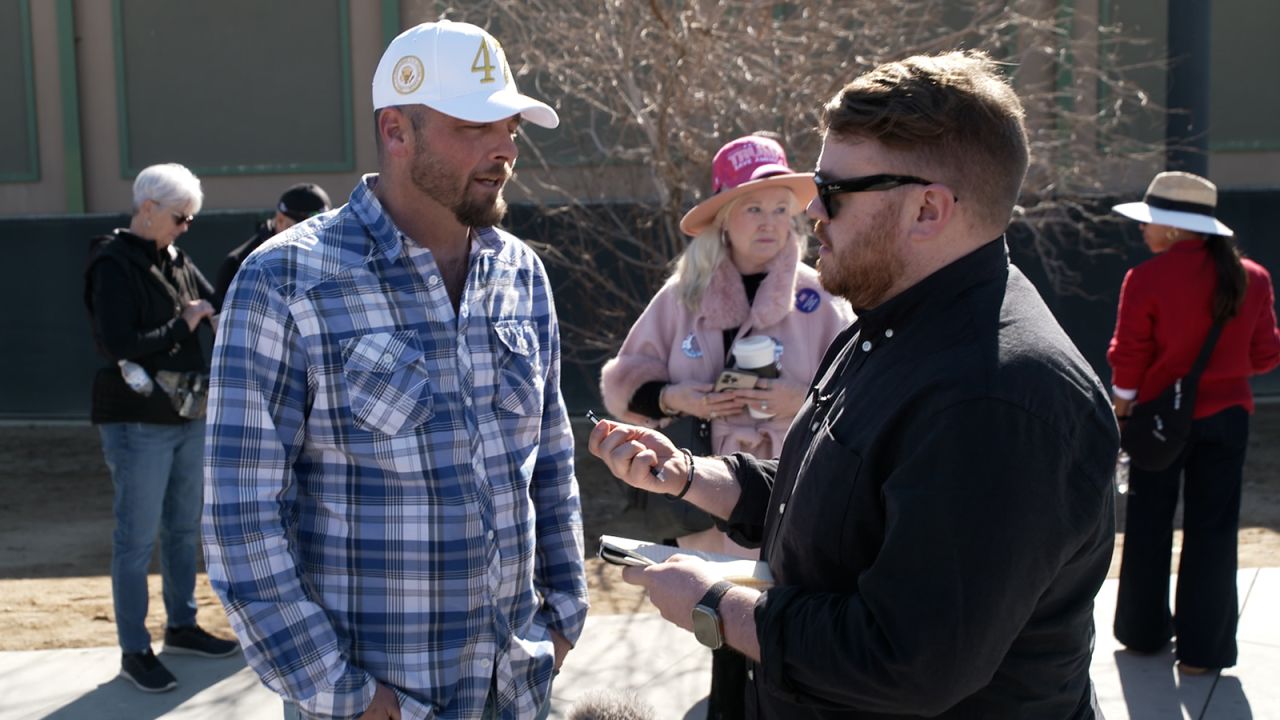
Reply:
x=754, y=351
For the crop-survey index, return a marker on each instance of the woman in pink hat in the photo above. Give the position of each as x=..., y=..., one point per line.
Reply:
x=740, y=276
x=1168, y=305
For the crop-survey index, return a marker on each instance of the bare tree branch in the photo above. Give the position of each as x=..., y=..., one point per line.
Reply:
x=649, y=90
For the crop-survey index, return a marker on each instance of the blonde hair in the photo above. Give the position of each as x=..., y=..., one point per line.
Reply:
x=695, y=266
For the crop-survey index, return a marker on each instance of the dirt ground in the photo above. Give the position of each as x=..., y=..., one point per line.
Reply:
x=55, y=535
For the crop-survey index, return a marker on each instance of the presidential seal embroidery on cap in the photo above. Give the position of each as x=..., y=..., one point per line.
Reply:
x=807, y=300
x=407, y=75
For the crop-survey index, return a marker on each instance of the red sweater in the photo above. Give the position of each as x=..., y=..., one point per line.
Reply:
x=1164, y=317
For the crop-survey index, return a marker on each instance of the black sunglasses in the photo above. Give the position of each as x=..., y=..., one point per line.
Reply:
x=870, y=183
x=183, y=219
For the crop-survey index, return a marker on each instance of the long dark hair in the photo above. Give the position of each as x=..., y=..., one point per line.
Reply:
x=1229, y=295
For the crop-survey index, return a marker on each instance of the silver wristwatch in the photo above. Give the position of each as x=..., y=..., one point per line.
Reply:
x=708, y=627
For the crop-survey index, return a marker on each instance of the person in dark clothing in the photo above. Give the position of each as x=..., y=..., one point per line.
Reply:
x=146, y=302
x=941, y=515
x=300, y=202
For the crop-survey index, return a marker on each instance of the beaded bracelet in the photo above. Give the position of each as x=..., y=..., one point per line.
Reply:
x=688, y=480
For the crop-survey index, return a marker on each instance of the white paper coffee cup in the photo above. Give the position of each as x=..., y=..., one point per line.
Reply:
x=754, y=352
x=751, y=354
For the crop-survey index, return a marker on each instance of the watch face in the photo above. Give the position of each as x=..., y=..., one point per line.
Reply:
x=706, y=627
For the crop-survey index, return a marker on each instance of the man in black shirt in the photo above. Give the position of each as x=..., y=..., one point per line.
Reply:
x=300, y=202
x=941, y=515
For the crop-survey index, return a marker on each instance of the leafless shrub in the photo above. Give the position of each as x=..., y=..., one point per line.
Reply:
x=649, y=89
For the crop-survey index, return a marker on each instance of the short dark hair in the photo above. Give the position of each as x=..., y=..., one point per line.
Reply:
x=417, y=119
x=953, y=114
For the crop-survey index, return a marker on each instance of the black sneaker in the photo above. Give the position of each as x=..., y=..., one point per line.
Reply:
x=144, y=670
x=193, y=640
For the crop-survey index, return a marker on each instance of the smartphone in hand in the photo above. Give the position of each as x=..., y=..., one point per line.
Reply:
x=735, y=380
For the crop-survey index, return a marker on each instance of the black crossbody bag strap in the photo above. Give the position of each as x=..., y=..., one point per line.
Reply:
x=1202, y=360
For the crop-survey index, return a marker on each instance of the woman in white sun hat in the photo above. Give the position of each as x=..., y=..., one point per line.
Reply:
x=1168, y=304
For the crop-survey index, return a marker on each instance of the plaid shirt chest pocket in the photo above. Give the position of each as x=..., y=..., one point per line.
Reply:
x=387, y=381
x=520, y=378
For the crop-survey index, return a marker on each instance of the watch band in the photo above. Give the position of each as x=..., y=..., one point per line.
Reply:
x=711, y=600
x=708, y=626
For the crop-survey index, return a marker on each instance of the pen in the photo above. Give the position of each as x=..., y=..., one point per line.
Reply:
x=653, y=469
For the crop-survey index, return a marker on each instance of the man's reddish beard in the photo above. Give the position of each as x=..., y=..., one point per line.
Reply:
x=862, y=270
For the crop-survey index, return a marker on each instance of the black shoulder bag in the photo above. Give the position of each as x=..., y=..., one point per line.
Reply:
x=1156, y=431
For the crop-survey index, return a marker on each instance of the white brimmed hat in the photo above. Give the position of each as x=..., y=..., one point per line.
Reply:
x=457, y=69
x=742, y=166
x=1181, y=200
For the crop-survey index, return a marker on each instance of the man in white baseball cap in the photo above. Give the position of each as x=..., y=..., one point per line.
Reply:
x=392, y=519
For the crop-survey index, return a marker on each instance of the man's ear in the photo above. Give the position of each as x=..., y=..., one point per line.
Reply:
x=396, y=132
x=935, y=210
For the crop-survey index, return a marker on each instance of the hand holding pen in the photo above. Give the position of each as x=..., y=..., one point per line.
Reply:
x=626, y=445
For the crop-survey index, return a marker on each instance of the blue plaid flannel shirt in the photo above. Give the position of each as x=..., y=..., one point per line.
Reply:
x=389, y=485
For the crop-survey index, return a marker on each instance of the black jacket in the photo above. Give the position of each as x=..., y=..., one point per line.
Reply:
x=941, y=515
x=231, y=264
x=135, y=316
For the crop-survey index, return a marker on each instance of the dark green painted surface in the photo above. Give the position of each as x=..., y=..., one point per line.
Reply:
x=48, y=358
x=19, y=160
x=69, y=92
x=234, y=87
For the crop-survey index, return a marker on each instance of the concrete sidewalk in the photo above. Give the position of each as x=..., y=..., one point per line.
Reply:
x=664, y=665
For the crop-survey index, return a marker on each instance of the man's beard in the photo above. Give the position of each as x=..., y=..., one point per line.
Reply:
x=471, y=209
x=863, y=271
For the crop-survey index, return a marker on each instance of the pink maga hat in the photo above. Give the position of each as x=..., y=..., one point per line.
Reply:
x=742, y=166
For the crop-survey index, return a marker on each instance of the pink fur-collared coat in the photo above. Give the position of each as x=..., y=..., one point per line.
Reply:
x=669, y=343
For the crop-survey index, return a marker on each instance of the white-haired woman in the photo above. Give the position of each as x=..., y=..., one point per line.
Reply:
x=147, y=300
x=740, y=276
x=1168, y=304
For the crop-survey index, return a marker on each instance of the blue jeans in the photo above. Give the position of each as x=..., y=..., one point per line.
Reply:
x=158, y=479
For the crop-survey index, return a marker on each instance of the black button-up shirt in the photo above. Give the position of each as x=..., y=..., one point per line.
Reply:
x=941, y=515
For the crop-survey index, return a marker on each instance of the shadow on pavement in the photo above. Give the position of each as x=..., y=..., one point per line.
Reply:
x=1154, y=690
x=119, y=698
x=1229, y=700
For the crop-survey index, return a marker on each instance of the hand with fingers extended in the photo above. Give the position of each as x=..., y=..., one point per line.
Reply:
x=777, y=396
x=701, y=400
x=630, y=451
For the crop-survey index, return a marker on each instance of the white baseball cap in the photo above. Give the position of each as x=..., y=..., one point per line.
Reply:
x=457, y=69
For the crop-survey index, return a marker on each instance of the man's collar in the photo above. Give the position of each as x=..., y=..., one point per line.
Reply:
x=939, y=288
x=387, y=238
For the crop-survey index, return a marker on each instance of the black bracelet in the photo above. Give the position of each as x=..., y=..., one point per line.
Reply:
x=688, y=480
